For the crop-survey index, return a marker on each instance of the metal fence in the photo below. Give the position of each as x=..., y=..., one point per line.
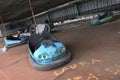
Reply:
x=95, y=6
x=79, y=9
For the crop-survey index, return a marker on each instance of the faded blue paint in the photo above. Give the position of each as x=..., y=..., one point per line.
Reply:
x=95, y=21
x=51, y=53
x=7, y=42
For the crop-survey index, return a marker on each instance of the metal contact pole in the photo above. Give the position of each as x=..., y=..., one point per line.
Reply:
x=32, y=13
x=3, y=24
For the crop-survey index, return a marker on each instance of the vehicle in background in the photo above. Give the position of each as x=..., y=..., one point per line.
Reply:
x=12, y=41
x=106, y=17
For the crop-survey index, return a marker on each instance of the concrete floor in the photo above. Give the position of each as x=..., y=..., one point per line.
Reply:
x=95, y=50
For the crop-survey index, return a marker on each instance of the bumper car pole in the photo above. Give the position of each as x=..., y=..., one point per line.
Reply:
x=2, y=23
x=4, y=49
x=33, y=15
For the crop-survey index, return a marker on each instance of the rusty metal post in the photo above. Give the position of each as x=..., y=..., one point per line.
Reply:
x=3, y=25
x=32, y=13
x=48, y=16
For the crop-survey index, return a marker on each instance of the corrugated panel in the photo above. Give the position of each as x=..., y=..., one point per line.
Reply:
x=98, y=6
x=109, y=2
x=95, y=4
x=91, y=5
x=69, y=12
x=63, y=14
x=99, y=3
x=41, y=18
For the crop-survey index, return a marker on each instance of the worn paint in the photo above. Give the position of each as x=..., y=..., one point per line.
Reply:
x=115, y=72
x=83, y=63
x=95, y=61
x=71, y=67
x=92, y=76
x=74, y=66
x=77, y=78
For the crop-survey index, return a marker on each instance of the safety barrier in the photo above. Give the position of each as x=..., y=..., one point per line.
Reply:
x=75, y=10
x=79, y=9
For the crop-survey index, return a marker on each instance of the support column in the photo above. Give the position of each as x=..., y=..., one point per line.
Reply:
x=76, y=9
x=3, y=25
x=48, y=16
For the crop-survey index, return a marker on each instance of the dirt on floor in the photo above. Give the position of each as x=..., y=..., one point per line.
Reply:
x=95, y=51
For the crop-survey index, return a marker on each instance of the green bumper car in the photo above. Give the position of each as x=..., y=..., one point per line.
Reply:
x=102, y=19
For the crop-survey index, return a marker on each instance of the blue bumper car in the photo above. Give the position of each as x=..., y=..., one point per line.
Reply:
x=47, y=52
x=11, y=41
